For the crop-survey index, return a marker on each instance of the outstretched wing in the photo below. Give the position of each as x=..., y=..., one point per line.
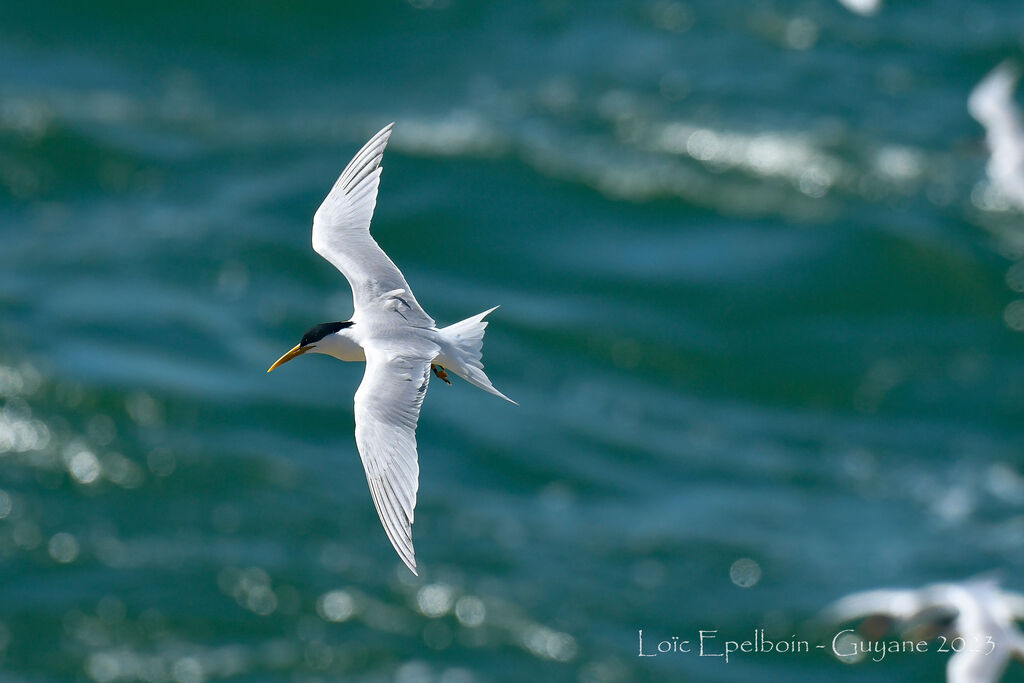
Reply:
x=991, y=100
x=341, y=234
x=387, y=407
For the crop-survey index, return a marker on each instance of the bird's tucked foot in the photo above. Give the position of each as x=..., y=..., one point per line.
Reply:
x=442, y=375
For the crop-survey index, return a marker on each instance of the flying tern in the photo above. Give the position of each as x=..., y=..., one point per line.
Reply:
x=977, y=610
x=864, y=7
x=991, y=103
x=391, y=332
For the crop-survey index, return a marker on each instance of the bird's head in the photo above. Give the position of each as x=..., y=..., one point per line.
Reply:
x=311, y=341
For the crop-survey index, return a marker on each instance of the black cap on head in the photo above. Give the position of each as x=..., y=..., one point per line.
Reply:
x=318, y=332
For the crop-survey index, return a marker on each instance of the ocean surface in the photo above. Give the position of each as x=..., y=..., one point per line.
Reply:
x=760, y=309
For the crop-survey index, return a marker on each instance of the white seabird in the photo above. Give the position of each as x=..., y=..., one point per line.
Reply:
x=977, y=610
x=863, y=7
x=991, y=103
x=391, y=332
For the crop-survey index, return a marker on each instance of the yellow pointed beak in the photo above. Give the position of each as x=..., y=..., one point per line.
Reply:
x=294, y=353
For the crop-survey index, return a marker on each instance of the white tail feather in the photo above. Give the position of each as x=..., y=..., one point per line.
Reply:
x=462, y=352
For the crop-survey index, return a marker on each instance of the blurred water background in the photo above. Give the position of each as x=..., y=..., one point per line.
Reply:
x=758, y=305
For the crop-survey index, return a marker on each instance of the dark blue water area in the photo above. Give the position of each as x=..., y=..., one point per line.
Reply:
x=760, y=307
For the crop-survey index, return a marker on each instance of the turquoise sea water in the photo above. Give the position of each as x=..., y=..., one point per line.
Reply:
x=756, y=306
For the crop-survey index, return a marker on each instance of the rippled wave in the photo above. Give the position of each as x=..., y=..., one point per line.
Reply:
x=760, y=307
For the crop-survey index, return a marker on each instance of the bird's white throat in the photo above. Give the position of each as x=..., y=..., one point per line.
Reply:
x=342, y=345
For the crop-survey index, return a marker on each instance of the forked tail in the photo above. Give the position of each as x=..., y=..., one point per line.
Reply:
x=462, y=352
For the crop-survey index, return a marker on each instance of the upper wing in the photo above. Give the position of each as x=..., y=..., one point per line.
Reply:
x=387, y=407
x=341, y=234
x=991, y=100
